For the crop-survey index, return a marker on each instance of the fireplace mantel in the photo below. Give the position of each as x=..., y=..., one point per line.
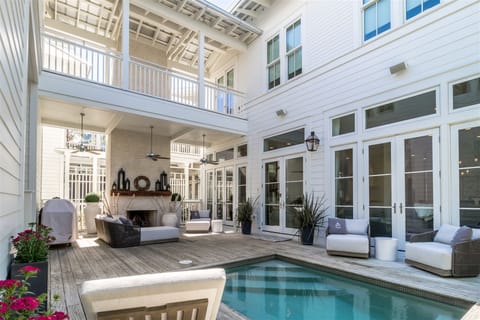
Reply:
x=142, y=193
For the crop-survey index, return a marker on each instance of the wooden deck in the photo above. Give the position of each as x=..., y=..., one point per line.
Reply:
x=90, y=258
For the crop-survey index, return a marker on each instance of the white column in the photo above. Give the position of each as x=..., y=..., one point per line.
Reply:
x=187, y=181
x=95, y=175
x=125, y=42
x=201, y=69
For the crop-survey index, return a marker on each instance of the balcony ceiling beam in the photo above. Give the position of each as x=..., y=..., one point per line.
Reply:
x=69, y=29
x=183, y=20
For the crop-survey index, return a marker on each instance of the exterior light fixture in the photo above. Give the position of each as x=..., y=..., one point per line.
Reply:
x=312, y=142
x=281, y=112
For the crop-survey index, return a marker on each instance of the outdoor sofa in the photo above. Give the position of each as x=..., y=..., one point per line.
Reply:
x=120, y=234
x=199, y=221
x=450, y=251
x=348, y=237
x=193, y=294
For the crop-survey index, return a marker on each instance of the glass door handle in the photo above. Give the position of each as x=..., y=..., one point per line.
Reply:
x=401, y=206
x=394, y=207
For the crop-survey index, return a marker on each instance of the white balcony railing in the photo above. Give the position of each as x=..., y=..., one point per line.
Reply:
x=84, y=61
x=186, y=149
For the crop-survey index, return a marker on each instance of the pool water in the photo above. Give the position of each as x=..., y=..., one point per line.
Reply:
x=277, y=289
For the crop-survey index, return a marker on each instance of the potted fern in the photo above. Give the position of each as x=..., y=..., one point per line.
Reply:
x=309, y=215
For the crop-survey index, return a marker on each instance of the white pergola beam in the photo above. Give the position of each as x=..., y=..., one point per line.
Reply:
x=189, y=23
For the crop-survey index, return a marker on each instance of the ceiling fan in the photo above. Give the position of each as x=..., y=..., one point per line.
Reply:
x=151, y=155
x=205, y=160
x=81, y=147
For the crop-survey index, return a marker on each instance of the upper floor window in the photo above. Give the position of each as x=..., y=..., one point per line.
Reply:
x=414, y=7
x=376, y=17
x=466, y=93
x=273, y=62
x=294, y=49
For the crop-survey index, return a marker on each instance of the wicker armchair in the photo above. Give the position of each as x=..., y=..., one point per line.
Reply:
x=465, y=256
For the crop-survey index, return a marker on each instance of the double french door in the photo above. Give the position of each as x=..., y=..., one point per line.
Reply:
x=283, y=185
x=402, y=185
x=224, y=195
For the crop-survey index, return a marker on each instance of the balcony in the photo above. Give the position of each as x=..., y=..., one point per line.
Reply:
x=88, y=62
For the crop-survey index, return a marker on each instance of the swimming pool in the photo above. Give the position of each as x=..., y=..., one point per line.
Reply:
x=277, y=289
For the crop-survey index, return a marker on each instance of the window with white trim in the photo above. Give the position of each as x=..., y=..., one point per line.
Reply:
x=273, y=62
x=415, y=7
x=376, y=18
x=294, y=49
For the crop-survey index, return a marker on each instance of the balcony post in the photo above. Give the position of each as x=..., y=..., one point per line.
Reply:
x=125, y=42
x=201, y=69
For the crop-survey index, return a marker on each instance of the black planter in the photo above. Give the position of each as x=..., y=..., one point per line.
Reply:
x=38, y=283
x=246, y=227
x=307, y=236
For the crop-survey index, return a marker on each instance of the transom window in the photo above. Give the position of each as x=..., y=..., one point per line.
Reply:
x=409, y=108
x=466, y=93
x=242, y=151
x=376, y=17
x=225, y=155
x=415, y=7
x=343, y=125
x=273, y=62
x=284, y=140
x=294, y=49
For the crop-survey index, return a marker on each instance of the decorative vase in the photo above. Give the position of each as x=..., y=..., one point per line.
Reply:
x=170, y=219
x=307, y=235
x=246, y=227
x=90, y=212
x=39, y=283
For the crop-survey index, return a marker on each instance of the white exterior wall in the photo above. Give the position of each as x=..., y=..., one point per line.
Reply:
x=440, y=46
x=13, y=104
x=53, y=163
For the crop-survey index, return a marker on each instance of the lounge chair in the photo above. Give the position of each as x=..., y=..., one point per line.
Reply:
x=348, y=237
x=450, y=251
x=197, y=292
x=199, y=221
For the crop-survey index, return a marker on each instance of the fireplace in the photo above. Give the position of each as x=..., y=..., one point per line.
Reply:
x=142, y=218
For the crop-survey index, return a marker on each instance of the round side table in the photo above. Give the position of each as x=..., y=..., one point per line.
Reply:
x=386, y=248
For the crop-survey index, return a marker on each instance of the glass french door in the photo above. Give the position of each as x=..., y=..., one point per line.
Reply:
x=224, y=195
x=402, y=185
x=283, y=190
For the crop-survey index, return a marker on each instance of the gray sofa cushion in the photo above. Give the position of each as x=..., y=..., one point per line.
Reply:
x=357, y=226
x=463, y=234
x=337, y=226
x=446, y=233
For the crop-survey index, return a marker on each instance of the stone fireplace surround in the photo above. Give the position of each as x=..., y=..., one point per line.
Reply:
x=152, y=208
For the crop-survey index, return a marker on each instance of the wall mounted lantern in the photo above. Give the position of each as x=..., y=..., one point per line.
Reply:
x=312, y=142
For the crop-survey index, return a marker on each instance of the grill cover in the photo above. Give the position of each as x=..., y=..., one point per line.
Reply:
x=59, y=214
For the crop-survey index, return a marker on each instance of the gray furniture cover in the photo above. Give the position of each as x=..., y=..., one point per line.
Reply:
x=59, y=214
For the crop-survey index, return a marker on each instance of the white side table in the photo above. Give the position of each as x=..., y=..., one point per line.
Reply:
x=386, y=248
x=217, y=226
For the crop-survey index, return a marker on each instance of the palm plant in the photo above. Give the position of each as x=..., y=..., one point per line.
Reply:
x=310, y=216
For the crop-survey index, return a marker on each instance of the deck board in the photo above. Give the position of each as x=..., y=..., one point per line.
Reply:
x=89, y=259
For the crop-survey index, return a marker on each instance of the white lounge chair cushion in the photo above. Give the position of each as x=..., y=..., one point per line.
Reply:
x=435, y=254
x=446, y=233
x=354, y=243
x=197, y=225
x=151, y=290
x=158, y=233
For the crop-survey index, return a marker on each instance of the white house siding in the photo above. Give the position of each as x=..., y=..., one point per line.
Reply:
x=13, y=105
x=439, y=47
x=53, y=165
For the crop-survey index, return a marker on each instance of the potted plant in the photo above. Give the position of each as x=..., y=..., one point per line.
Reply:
x=309, y=215
x=18, y=302
x=91, y=210
x=31, y=248
x=173, y=216
x=245, y=214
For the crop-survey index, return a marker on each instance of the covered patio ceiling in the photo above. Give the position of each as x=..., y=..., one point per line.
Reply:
x=171, y=25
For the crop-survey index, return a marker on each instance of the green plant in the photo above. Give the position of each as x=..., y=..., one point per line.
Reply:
x=92, y=197
x=245, y=210
x=16, y=302
x=176, y=197
x=311, y=212
x=32, y=244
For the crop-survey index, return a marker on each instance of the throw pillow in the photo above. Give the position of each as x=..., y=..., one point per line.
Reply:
x=445, y=233
x=194, y=214
x=463, y=234
x=125, y=221
x=357, y=226
x=204, y=214
x=336, y=226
